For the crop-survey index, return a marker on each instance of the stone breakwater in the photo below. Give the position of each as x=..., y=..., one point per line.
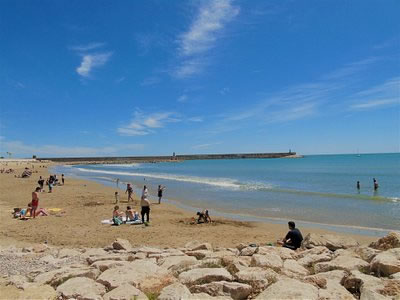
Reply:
x=327, y=267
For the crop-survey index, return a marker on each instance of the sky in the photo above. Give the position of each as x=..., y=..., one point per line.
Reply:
x=127, y=78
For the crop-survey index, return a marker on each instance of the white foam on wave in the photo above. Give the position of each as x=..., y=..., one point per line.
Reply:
x=219, y=182
x=132, y=165
x=394, y=199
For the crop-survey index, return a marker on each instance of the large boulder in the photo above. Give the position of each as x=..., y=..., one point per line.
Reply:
x=199, y=254
x=104, y=265
x=342, y=262
x=292, y=266
x=235, y=290
x=204, y=275
x=282, y=252
x=335, y=276
x=248, y=251
x=196, y=245
x=176, y=264
x=330, y=241
x=140, y=273
x=366, y=253
x=175, y=291
x=58, y=276
x=256, y=277
x=287, y=288
x=312, y=256
x=390, y=241
x=386, y=263
x=359, y=283
x=272, y=261
x=121, y=244
x=334, y=291
x=81, y=288
x=125, y=292
x=64, y=253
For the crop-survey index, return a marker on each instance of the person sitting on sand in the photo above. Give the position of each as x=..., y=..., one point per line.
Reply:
x=293, y=238
x=129, y=213
x=203, y=217
x=117, y=216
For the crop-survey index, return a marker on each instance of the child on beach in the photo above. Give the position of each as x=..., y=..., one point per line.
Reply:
x=129, y=190
x=117, y=216
x=116, y=195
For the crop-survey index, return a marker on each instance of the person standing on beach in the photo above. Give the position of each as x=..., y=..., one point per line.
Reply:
x=35, y=201
x=376, y=185
x=117, y=182
x=358, y=185
x=145, y=205
x=129, y=190
x=160, y=193
x=41, y=183
x=62, y=179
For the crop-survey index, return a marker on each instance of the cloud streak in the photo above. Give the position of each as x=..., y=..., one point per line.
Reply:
x=88, y=47
x=202, y=35
x=146, y=124
x=91, y=61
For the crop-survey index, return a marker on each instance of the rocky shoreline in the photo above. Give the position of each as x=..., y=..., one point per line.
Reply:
x=327, y=267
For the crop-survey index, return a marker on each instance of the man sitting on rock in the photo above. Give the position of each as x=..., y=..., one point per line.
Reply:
x=293, y=238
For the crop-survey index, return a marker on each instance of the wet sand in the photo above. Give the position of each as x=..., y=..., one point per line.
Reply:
x=84, y=204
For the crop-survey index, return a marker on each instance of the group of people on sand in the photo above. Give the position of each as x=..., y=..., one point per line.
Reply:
x=375, y=182
x=32, y=210
x=129, y=191
x=50, y=182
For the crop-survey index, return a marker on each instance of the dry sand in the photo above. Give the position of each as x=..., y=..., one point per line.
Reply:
x=84, y=204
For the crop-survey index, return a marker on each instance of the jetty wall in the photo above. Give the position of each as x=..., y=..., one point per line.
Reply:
x=127, y=159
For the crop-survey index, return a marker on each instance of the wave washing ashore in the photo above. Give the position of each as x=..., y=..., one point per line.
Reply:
x=319, y=189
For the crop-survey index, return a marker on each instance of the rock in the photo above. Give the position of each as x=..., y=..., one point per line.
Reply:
x=140, y=273
x=395, y=276
x=272, y=261
x=248, y=251
x=256, y=277
x=330, y=241
x=125, y=292
x=40, y=248
x=282, y=252
x=289, y=289
x=119, y=257
x=294, y=267
x=199, y=254
x=241, y=246
x=331, y=276
x=94, y=252
x=204, y=275
x=104, y=265
x=149, y=250
x=196, y=245
x=81, y=288
x=204, y=296
x=235, y=264
x=386, y=263
x=366, y=253
x=63, y=253
x=19, y=281
x=342, y=262
x=57, y=277
x=177, y=264
x=49, y=259
x=334, y=291
x=223, y=288
x=175, y=291
x=390, y=241
x=121, y=244
x=358, y=283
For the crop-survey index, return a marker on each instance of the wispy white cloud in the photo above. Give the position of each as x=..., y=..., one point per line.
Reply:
x=19, y=148
x=143, y=124
x=206, y=28
x=182, y=98
x=205, y=146
x=90, y=61
x=196, y=119
x=379, y=96
x=150, y=81
x=88, y=47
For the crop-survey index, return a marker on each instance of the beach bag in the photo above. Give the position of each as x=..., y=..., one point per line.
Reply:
x=117, y=221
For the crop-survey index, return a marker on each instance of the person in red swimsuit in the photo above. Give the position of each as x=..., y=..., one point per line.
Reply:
x=35, y=201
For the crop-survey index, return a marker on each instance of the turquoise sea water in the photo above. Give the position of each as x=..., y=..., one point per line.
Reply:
x=315, y=189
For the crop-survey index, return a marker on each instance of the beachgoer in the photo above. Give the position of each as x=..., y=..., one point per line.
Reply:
x=117, y=182
x=50, y=186
x=129, y=213
x=358, y=185
x=117, y=216
x=293, y=238
x=129, y=190
x=160, y=193
x=62, y=179
x=41, y=183
x=35, y=201
x=203, y=217
x=145, y=205
x=376, y=185
x=116, y=195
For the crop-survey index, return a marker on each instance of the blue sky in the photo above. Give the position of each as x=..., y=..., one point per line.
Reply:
x=99, y=78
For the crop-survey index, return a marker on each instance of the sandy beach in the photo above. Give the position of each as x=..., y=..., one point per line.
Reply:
x=83, y=204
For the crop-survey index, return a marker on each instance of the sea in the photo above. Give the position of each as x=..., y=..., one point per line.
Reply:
x=314, y=191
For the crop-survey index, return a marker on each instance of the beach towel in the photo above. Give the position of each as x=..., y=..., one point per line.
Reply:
x=111, y=222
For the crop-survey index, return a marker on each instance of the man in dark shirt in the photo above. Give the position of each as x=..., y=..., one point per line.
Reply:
x=293, y=238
